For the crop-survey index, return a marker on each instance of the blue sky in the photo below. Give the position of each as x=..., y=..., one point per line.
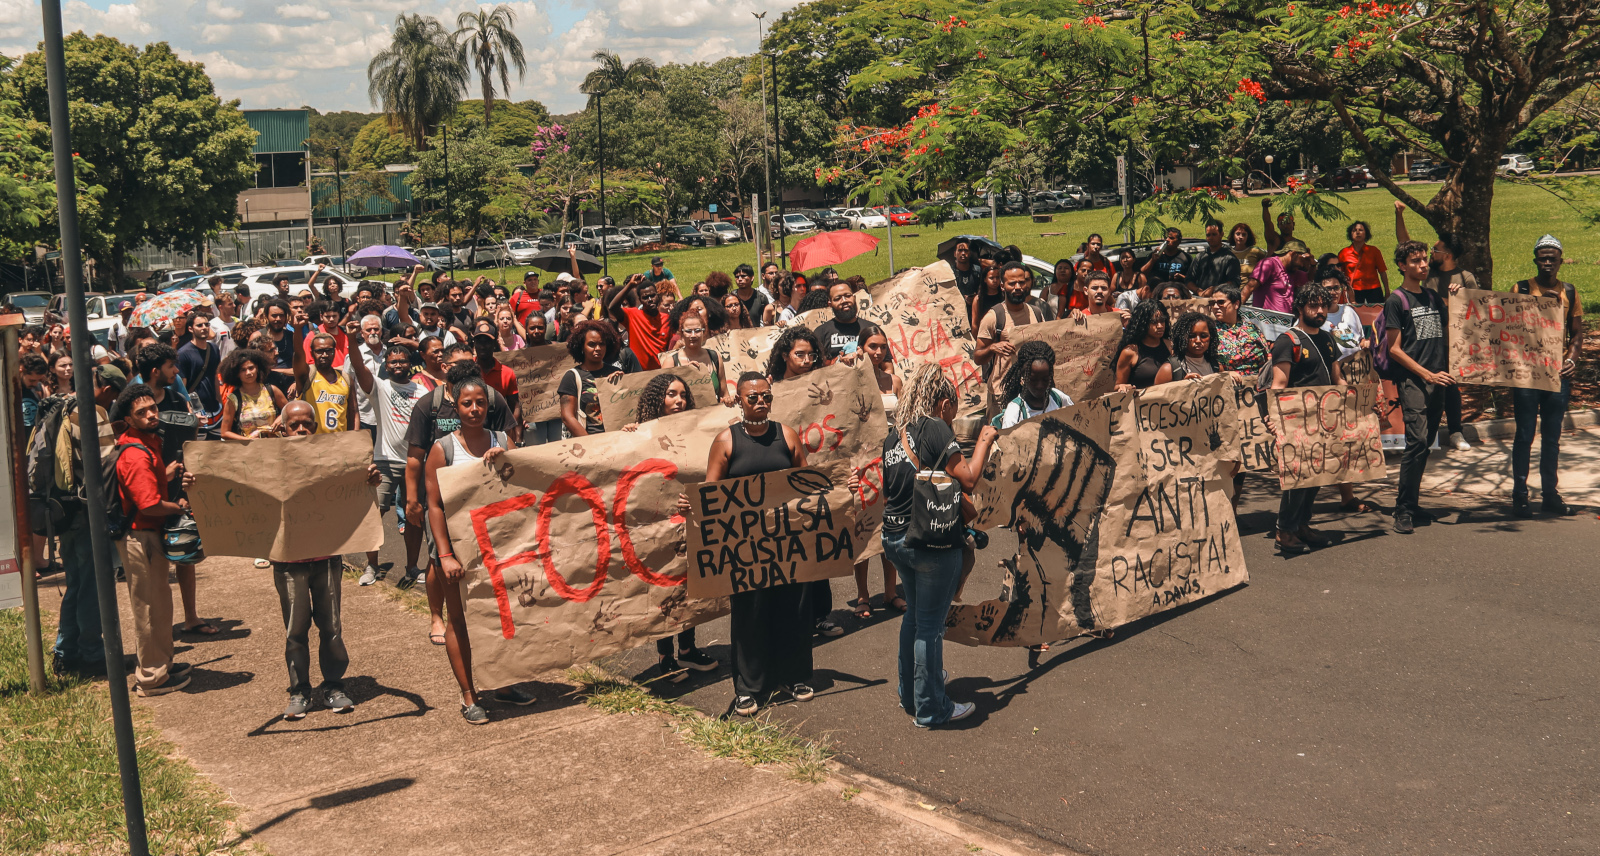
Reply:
x=285, y=53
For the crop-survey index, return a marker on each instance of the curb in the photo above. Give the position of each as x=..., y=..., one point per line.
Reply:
x=1495, y=429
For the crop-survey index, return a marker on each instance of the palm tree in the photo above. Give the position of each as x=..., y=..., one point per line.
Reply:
x=613, y=76
x=419, y=78
x=487, y=36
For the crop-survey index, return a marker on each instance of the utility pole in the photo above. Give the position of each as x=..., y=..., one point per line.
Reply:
x=777, y=166
x=83, y=383
x=449, y=210
x=600, y=131
x=338, y=182
x=766, y=149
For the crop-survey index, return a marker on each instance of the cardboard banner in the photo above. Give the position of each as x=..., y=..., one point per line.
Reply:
x=285, y=498
x=771, y=529
x=1104, y=537
x=1177, y=308
x=619, y=402
x=610, y=502
x=744, y=350
x=925, y=321
x=1187, y=428
x=1327, y=435
x=1086, y=351
x=1391, y=421
x=538, y=370
x=1258, y=448
x=811, y=318
x=1499, y=338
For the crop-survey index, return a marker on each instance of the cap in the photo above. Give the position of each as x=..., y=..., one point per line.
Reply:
x=656, y=260
x=99, y=352
x=533, y=273
x=564, y=277
x=430, y=305
x=1293, y=245
x=1547, y=241
x=112, y=376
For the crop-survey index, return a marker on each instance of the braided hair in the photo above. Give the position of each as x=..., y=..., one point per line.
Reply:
x=920, y=395
x=1183, y=330
x=654, y=396
x=778, y=363
x=1028, y=353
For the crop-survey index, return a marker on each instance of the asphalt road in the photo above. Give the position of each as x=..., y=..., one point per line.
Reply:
x=1430, y=693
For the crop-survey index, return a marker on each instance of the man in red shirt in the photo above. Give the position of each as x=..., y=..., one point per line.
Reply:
x=142, y=479
x=525, y=300
x=647, y=326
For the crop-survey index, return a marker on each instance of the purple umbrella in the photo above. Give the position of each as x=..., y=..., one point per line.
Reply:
x=383, y=256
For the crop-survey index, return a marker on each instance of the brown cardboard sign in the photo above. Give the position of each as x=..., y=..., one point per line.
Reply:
x=619, y=401
x=1500, y=338
x=1327, y=435
x=770, y=529
x=1086, y=351
x=538, y=370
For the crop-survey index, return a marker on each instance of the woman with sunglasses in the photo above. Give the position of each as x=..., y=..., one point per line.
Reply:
x=1240, y=346
x=770, y=628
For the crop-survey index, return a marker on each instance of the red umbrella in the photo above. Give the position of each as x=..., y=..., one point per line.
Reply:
x=830, y=248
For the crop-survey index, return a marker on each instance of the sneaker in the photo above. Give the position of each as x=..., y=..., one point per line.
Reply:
x=746, y=705
x=512, y=695
x=1458, y=442
x=298, y=706
x=1520, y=507
x=801, y=692
x=1403, y=524
x=698, y=660
x=671, y=671
x=369, y=576
x=829, y=629
x=962, y=710
x=338, y=702
x=474, y=715
x=1557, y=507
x=409, y=580
x=59, y=665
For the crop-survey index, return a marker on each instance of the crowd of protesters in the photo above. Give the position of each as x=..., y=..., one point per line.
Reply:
x=413, y=365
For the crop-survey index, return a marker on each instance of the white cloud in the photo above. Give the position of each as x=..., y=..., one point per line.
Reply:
x=276, y=54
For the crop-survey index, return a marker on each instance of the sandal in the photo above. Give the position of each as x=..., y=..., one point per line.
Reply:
x=1358, y=507
x=204, y=628
x=436, y=638
x=746, y=705
x=898, y=604
x=263, y=564
x=862, y=608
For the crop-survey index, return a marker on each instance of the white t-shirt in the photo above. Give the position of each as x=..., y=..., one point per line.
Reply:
x=1019, y=410
x=364, y=401
x=220, y=331
x=392, y=403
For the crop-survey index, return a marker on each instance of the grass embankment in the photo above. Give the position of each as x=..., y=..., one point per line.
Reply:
x=60, y=792
x=1522, y=214
x=754, y=741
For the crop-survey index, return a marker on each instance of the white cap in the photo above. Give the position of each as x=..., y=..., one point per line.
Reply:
x=99, y=352
x=564, y=277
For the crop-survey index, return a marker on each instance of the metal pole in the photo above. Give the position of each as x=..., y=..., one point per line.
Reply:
x=338, y=182
x=89, y=431
x=10, y=415
x=756, y=231
x=891, y=239
x=994, y=221
x=777, y=166
x=763, y=236
x=600, y=132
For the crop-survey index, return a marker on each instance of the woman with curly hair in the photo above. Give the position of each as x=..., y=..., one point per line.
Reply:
x=719, y=283
x=665, y=395
x=1029, y=386
x=252, y=407
x=1194, y=350
x=1143, y=350
x=594, y=347
x=786, y=303
x=795, y=353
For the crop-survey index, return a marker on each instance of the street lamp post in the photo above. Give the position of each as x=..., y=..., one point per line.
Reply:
x=338, y=183
x=449, y=210
x=777, y=166
x=600, y=132
x=1269, y=170
x=766, y=150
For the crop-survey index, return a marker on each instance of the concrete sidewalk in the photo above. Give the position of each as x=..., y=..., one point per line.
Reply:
x=404, y=774
x=1485, y=470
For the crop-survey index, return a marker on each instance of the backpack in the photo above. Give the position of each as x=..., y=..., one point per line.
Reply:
x=1380, y=338
x=46, y=502
x=117, y=520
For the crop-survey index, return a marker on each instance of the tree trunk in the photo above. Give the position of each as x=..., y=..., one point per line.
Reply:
x=1465, y=205
x=488, y=102
x=119, y=260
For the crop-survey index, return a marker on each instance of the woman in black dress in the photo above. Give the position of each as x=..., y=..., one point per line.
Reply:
x=771, y=627
x=1144, y=347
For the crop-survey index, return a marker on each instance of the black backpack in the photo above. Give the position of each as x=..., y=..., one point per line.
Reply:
x=46, y=502
x=117, y=521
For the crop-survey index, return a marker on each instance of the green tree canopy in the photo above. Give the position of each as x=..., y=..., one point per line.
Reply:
x=479, y=176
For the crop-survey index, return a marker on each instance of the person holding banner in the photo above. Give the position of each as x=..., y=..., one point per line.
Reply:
x=472, y=443
x=1543, y=410
x=1419, y=358
x=1240, y=346
x=1196, y=350
x=1305, y=355
x=1143, y=350
x=1029, y=389
x=692, y=331
x=666, y=395
x=1445, y=277
x=770, y=628
x=924, y=449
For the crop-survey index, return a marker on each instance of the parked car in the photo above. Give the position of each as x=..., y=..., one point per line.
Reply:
x=685, y=234
x=261, y=280
x=562, y=240
x=866, y=218
x=167, y=277
x=720, y=233
x=32, y=303
x=1343, y=178
x=521, y=250
x=1105, y=198
x=1518, y=165
x=437, y=258
x=103, y=311
x=793, y=224
x=610, y=237
x=827, y=219
x=330, y=261
x=642, y=235
x=232, y=266
x=977, y=209
x=1076, y=193
x=1427, y=170
x=481, y=252
x=901, y=215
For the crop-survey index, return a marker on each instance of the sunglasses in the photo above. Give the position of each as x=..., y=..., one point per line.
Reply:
x=322, y=350
x=758, y=398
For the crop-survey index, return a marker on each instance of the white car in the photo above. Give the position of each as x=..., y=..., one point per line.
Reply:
x=1518, y=165
x=261, y=281
x=725, y=233
x=167, y=277
x=104, y=311
x=612, y=237
x=521, y=250
x=866, y=218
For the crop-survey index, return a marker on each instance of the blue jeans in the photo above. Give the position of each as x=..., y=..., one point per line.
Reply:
x=78, y=638
x=1543, y=411
x=930, y=578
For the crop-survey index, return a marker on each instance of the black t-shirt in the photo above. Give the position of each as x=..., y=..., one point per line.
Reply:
x=283, y=349
x=1167, y=268
x=429, y=424
x=837, y=338
x=933, y=443
x=1210, y=270
x=589, y=396
x=1308, y=365
x=1421, y=328
x=969, y=281
x=756, y=305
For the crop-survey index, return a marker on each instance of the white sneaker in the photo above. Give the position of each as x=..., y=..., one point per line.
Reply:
x=963, y=710
x=369, y=576
x=1459, y=442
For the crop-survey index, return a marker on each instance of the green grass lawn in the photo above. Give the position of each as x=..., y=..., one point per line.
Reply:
x=59, y=787
x=1522, y=214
